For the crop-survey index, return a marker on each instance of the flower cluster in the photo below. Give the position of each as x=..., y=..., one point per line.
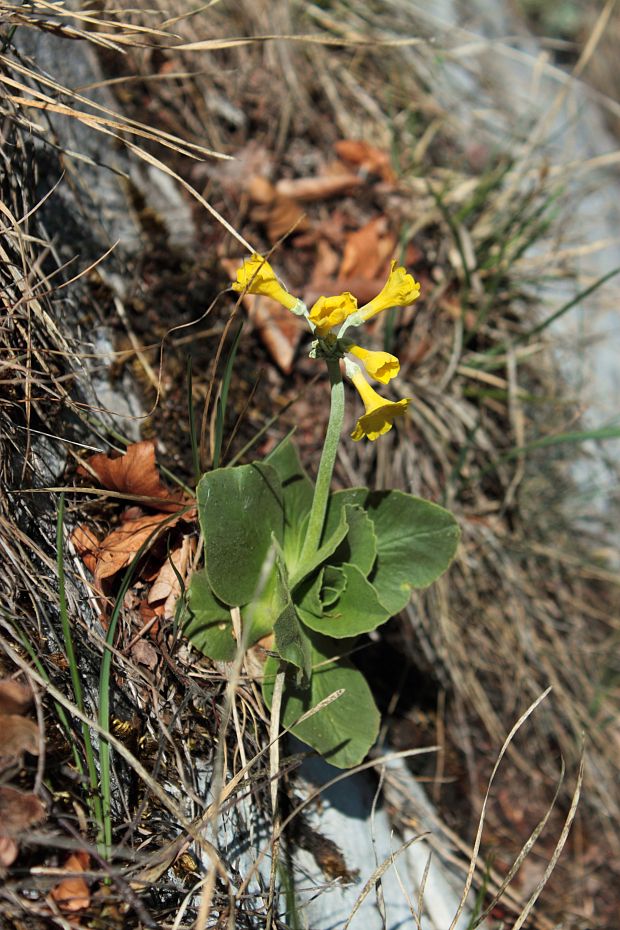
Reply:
x=329, y=320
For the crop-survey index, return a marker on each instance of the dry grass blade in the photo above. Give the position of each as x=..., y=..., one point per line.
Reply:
x=376, y=876
x=557, y=851
x=478, y=839
x=311, y=39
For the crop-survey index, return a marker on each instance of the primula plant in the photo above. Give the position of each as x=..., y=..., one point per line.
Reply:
x=310, y=568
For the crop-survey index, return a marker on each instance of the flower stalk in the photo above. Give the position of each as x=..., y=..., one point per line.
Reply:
x=328, y=460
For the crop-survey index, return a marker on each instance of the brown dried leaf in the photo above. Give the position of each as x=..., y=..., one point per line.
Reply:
x=135, y=472
x=278, y=328
x=318, y=188
x=18, y=811
x=279, y=215
x=144, y=653
x=366, y=157
x=8, y=851
x=368, y=250
x=86, y=545
x=120, y=547
x=327, y=261
x=17, y=735
x=15, y=697
x=167, y=586
x=72, y=893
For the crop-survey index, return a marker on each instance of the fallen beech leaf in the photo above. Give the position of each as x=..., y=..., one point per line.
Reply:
x=72, y=893
x=279, y=215
x=120, y=547
x=144, y=653
x=15, y=697
x=167, y=586
x=86, y=545
x=318, y=188
x=18, y=811
x=135, y=472
x=19, y=734
x=278, y=328
x=367, y=157
x=146, y=615
x=368, y=251
x=327, y=261
x=8, y=852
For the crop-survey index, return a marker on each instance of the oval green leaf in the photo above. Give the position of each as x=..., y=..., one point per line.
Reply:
x=416, y=540
x=239, y=510
x=357, y=610
x=344, y=730
x=207, y=622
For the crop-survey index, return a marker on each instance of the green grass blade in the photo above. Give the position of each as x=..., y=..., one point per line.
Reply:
x=575, y=437
x=504, y=347
x=604, y=432
x=569, y=306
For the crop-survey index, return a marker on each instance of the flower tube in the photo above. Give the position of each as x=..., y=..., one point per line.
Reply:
x=256, y=276
x=400, y=290
x=380, y=413
x=379, y=365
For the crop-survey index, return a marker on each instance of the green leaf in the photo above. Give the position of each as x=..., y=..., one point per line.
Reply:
x=260, y=614
x=357, y=610
x=344, y=730
x=359, y=547
x=333, y=583
x=239, y=509
x=298, y=492
x=208, y=624
x=327, y=548
x=416, y=540
x=355, y=497
x=291, y=642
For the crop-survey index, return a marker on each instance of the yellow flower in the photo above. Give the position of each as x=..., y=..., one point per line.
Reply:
x=256, y=276
x=400, y=290
x=380, y=365
x=380, y=413
x=332, y=311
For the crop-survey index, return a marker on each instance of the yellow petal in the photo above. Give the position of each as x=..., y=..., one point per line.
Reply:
x=380, y=413
x=380, y=365
x=379, y=421
x=400, y=290
x=332, y=311
x=256, y=276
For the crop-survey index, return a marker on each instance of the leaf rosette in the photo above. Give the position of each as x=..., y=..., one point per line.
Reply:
x=376, y=548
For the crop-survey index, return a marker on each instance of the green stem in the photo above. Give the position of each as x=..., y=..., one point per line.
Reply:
x=328, y=460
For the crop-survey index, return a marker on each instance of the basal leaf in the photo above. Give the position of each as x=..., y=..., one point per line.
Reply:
x=416, y=540
x=345, y=729
x=207, y=623
x=357, y=610
x=327, y=548
x=297, y=491
x=239, y=510
x=333, y=583
x=359, y=547
x=291, y=642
